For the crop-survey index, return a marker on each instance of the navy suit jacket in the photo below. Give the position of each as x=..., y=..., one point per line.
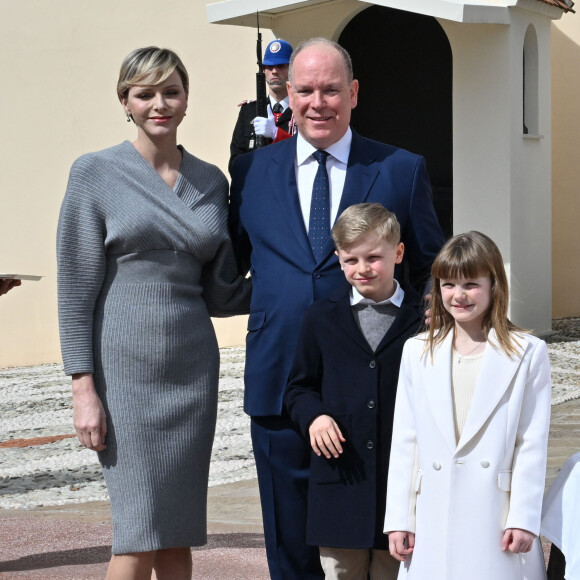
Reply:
x=270, y=241
x=336, y=373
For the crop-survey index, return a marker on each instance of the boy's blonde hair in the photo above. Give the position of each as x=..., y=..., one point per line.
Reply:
x=472, y=255
x=150, y=65
x=360, y=219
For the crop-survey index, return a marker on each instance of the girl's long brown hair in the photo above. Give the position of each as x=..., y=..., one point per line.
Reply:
x=472, y=255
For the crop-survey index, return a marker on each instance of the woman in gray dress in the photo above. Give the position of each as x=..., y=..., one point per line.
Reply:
x=144, y=260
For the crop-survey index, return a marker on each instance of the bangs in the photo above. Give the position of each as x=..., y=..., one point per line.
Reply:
x=459, y=260
x=153, y=76
x=472, y=255
x=149, y=66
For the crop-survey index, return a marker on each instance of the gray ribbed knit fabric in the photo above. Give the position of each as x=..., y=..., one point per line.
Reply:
x=374, y=320
x=133, y=257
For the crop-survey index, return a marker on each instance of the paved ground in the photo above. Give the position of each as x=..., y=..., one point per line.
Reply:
x=55, y=520
x=71, y=541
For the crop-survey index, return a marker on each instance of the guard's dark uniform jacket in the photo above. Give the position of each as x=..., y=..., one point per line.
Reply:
x=243, y=138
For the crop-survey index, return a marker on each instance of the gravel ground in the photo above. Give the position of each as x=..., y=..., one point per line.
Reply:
x=35, y=402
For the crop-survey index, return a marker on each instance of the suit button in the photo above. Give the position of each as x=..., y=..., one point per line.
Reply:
x=371, y=404
x=373, y=364
x=316, y=275
x=436, y=466
x=370, y=444
x=484, y=464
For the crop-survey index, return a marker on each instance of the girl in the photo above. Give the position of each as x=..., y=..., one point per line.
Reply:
x=468, y=455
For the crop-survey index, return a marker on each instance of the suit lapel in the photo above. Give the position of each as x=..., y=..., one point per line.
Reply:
x=282, y=177
x=495, y=376
x=438, y=391
x=361, y=173
x=284, y=118
x=360, y=176
x=408, y=318
x=344, y=317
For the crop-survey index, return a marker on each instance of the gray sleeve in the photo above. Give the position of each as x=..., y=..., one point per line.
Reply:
x=81, y=267
x=225, y=291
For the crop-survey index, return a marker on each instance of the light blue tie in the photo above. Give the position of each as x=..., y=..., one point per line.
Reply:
x=319, y=225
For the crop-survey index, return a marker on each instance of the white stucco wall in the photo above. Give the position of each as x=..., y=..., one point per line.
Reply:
x=531, y=238
x=501, y=179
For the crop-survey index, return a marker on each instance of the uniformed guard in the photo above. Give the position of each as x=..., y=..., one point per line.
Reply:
x=279, y=124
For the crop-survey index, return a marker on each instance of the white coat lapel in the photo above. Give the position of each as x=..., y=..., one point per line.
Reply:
x=438, y=391
x=495, y=376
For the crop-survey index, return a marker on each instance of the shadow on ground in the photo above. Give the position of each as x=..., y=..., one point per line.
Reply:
x=102, y=554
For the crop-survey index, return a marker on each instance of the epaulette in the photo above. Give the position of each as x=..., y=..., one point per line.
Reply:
x=246, y=102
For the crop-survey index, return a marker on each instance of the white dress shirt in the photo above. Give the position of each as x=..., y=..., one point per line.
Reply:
x=396, y=299
x=306, y=167
x=284, y=102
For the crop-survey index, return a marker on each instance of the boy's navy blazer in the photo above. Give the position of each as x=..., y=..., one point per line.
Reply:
x=270, y=240
x=335, y=372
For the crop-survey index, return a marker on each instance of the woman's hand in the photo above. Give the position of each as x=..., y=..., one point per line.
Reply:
x=326, y=437
x=401, y=545
x=517, y=541
x=88, y=412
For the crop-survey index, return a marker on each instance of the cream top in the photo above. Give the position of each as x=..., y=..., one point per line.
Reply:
x=464, y=372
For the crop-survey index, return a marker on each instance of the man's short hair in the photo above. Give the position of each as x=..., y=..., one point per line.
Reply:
x=362, y=218
x=324, y=42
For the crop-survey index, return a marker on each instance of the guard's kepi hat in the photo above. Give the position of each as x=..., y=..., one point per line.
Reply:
x=277, y=52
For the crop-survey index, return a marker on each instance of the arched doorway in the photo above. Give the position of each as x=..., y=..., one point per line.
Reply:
x=404, y=64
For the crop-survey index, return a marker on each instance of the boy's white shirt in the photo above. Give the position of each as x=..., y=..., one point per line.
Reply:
x=396, y=299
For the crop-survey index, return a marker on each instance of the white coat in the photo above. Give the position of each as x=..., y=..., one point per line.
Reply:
x=458, y=498
x=561, y=515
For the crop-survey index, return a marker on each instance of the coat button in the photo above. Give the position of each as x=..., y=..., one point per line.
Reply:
x=484, y=464
x=370, y=444
x=371, y=404
x=373, y=364
x=316, y=275
x=436, y=466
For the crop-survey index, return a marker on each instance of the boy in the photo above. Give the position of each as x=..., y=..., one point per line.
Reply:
x=341, y=393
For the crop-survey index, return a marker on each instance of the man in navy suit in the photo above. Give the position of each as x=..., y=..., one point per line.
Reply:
x=271, y=195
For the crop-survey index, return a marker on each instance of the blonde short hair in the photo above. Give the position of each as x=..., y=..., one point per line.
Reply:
x=360, y=219
x=149, y=65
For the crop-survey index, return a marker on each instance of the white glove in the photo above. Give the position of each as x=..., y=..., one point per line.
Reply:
x=266, y=127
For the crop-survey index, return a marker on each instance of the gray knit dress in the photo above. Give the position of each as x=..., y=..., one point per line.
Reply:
x=141, y=267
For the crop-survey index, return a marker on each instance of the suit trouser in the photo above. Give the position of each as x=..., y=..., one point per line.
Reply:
x=282, y=462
